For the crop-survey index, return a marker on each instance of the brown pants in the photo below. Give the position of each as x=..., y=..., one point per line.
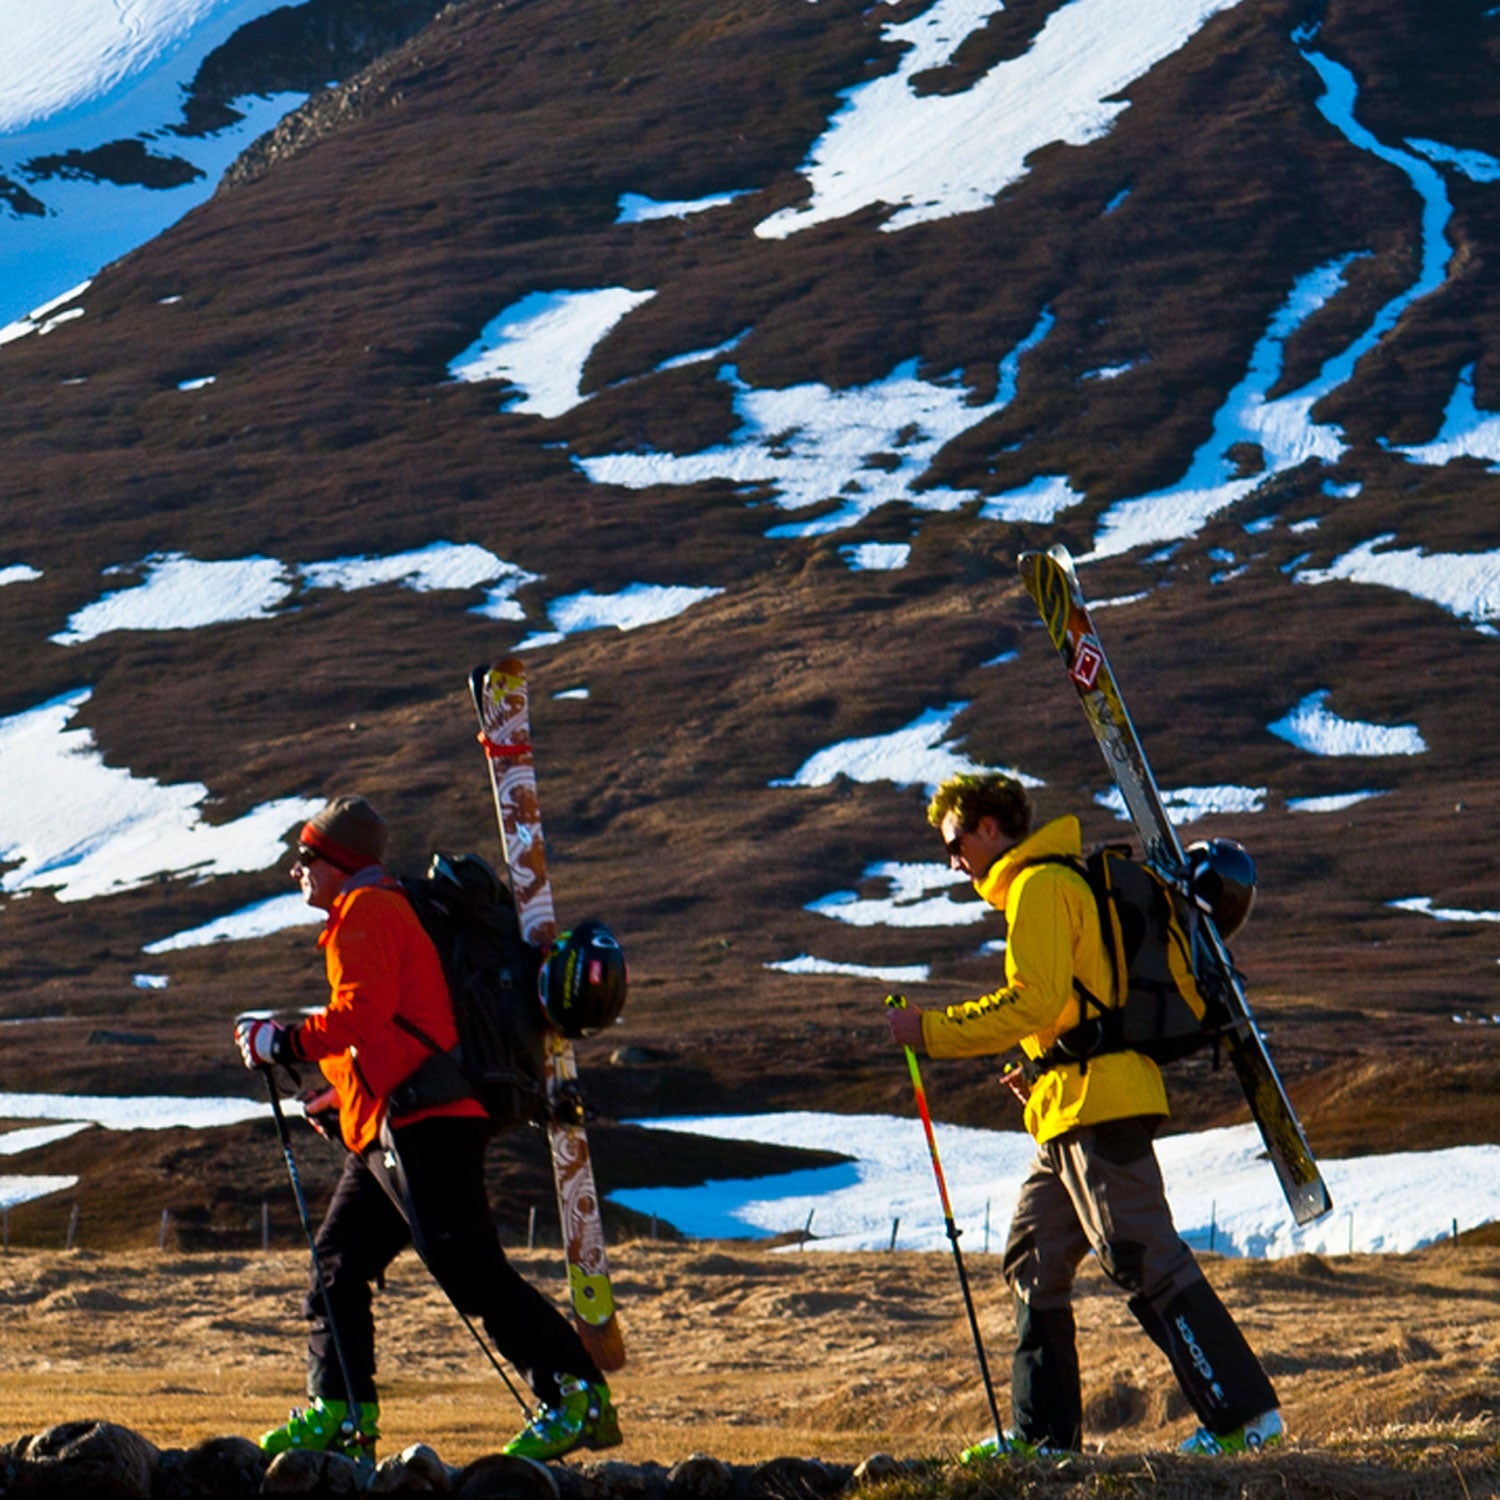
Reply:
x=1099, y=1188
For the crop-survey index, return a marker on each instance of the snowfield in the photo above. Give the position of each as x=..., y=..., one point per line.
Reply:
x=1224, y=1195
x=1223, y=1192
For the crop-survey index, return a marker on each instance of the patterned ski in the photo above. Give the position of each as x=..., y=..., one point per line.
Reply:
x=1052, y=582
x=502, y=702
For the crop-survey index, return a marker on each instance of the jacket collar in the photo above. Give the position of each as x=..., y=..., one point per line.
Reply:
x=359, y=880
x=1062, y=836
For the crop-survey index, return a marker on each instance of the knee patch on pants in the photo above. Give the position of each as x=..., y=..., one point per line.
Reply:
x=1034, y=1278
x=1124, y=1262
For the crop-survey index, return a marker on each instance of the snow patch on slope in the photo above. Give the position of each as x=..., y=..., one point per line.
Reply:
x=182, y=593
x=1466, y=584
x=908, y=903
x=1218, y=1181
x=177, y=592
x=1186, y=804
x=261, y=919
x=920, y=754
x=1282, y=428
x=1310, y=726
x=1466, y=432
x=541, y=344
x=932, y=156
x=81, y=829
x=631, y=608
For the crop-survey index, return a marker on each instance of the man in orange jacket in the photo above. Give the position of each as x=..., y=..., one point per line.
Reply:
x=1095, y=1183
x=414, y=1175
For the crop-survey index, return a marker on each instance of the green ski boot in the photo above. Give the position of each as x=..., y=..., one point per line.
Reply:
x=1264, y=1431
x=584, y=1417
x=1016, y=1447
x=327, y=1427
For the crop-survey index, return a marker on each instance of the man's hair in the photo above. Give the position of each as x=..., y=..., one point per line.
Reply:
x=970, y=797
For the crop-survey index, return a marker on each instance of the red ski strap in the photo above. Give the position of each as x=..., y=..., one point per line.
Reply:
x=497, y=751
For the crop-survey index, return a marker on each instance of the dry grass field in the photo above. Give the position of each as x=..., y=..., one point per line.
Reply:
x=1386, y=1365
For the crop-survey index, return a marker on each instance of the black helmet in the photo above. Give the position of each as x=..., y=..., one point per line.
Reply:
x=583, y=982
x=1221, y=879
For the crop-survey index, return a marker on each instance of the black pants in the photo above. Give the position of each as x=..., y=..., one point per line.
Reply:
x=429, y=1193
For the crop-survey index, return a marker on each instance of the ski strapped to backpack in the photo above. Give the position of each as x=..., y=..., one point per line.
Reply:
x=500, y=1058
x=1052, y=582
x=502, y=701
x=1162, y=1006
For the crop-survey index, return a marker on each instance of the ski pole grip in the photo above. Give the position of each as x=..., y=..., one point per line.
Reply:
x=896, y=1002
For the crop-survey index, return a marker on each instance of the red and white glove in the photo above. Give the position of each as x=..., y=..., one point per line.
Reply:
x=262, y=1042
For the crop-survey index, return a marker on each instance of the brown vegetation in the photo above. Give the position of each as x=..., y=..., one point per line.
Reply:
x=1388, y=1367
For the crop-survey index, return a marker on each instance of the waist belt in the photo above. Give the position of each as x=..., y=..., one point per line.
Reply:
x=1094, y=1036
x=439, y=1079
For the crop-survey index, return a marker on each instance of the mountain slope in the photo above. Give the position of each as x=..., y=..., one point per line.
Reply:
x=1189, y=332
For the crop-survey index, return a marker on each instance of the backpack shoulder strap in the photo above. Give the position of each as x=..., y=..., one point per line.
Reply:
x=1095, y=874
x=1068, y=861
x=1100, y=1032
x=413, y=888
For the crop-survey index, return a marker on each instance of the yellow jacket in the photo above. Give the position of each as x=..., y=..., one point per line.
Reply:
x=1053, y=934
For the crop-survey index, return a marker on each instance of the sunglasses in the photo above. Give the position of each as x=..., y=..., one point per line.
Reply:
x=306, y=857
x=955, y=845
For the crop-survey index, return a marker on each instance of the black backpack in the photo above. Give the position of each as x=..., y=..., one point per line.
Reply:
x=500, y=1059
x=1161, y=1006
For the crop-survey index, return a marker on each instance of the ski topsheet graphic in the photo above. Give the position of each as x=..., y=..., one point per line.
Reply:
x=502, y=702
x=1053, y=584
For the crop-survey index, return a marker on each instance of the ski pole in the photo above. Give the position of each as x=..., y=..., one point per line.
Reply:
x=489, y=1354
x=351, y=1424
x=898, y=1002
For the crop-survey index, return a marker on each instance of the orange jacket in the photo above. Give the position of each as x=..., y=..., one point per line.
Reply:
x=380, y=963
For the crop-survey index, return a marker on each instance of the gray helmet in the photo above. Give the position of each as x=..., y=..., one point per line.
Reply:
x=1221, y=881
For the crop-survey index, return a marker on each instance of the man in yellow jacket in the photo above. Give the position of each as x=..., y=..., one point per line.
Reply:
x=1095, y=1183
